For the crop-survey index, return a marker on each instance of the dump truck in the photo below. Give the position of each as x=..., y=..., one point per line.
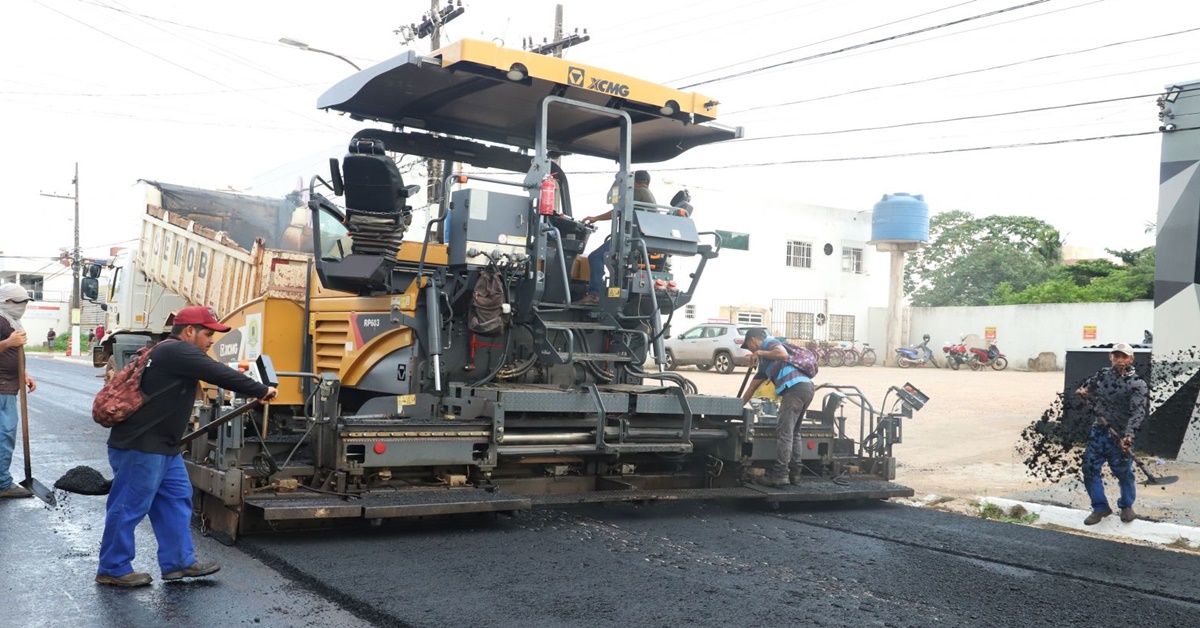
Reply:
x=456, y=371
x=197, y=247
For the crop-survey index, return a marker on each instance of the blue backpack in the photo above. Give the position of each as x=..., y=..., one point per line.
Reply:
x=801, y=358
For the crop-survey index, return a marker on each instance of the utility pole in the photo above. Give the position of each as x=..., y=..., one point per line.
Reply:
x=76, y=256
x=555, y=48
x=431, y=27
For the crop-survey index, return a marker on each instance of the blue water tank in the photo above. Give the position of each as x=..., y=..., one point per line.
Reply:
x=900, y=218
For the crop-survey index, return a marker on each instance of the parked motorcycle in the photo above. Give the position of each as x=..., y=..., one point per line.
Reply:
x=918, y=355
x=956, y=354
x=981, y=359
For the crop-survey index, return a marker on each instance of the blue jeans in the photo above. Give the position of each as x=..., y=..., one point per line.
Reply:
x=1104, y=447
x=596, y=268
x=147, y=484
x=8, y=437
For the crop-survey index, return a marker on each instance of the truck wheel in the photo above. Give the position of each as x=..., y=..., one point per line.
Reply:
x=669, y=361
x=723, y=363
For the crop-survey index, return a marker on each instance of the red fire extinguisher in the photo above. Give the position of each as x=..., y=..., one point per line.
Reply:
x=546, y=202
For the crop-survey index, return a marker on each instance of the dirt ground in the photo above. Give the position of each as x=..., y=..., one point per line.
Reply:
x=963, y=443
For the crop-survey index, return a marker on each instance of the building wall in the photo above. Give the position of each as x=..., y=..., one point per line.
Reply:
x=760, y=278
x=1024, y=331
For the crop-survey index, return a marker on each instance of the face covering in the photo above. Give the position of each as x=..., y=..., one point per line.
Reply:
x=13, y=313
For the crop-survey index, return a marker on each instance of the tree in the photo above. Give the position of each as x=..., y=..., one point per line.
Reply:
x=1090, y=281
x=969, y=258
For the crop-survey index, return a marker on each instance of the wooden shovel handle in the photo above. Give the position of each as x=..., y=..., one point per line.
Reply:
x=24, y=410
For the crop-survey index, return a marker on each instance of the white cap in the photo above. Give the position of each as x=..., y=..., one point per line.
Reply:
x=1121, y=347
x=13, y=292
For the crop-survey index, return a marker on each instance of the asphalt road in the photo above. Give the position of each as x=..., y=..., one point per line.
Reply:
x=618, y=565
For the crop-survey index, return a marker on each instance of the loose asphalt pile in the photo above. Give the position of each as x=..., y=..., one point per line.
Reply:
x=84, y=481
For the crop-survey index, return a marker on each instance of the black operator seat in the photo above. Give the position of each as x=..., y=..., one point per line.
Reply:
x=376, y=215
x=372, y=182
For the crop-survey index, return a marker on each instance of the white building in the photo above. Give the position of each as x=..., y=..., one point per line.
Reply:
x=808, y=274
x=50, y=284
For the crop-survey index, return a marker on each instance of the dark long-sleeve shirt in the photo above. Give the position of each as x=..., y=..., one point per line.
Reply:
x=170, y=379
x=1119, y=400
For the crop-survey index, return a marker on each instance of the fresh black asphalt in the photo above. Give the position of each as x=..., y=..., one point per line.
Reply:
x=705, y=564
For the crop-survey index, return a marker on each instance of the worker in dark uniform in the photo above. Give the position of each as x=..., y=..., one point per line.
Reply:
x=641, y=194
x=1118, y=398
x=148, y=473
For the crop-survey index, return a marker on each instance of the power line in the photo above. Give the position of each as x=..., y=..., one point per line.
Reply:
x=823, y=41
x=228, y=55
x=946, y=120
x=869, y=43
x=917, y=153
x=965, y=73
x=208, y=92
x=166, y=60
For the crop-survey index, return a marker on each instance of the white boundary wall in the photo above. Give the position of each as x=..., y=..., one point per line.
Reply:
x=1024, y=331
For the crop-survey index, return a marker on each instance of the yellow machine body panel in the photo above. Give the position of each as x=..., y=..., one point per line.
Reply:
x=272, y=326
x=575, y=74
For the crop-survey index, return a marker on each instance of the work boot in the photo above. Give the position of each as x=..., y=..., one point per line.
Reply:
x=1127, y=515
x=773, y=480
x=1096, y=516
x=16, y=490
x=795, y=474
x=197, y=570
x=590, y=299
x=132, y=579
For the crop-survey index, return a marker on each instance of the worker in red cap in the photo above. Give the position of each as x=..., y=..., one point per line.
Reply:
x=148, y=473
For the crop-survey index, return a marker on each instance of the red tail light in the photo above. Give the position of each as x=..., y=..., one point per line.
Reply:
x=671, y=285
x=659, y=284
x=738, y=341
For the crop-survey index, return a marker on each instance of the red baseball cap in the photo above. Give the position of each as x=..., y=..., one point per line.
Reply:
x=200, y=315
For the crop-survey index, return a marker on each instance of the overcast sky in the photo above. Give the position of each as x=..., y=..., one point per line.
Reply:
x=202, y=94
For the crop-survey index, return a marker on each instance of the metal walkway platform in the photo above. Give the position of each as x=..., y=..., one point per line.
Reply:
x=451, y=501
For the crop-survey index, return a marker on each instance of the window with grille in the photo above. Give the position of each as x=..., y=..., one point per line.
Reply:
x=689, y=311
x=749, y=318
x=852, y=260
x=841, y=327
x=799, y=325
x=799, y=254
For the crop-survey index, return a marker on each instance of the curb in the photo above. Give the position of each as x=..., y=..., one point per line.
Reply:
x=1152, y=531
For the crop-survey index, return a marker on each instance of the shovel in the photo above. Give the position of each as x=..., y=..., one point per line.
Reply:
x=38, y=488
x=1150, y=477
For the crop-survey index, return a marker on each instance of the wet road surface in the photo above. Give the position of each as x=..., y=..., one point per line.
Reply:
x=873, y=564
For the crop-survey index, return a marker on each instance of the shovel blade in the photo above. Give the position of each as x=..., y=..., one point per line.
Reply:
x=1161, y=480
x=40, y=490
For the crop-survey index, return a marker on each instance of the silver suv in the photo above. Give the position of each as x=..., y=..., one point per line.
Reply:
x=710, y=345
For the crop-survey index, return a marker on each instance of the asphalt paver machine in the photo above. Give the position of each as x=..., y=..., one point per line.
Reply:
x=457, y=372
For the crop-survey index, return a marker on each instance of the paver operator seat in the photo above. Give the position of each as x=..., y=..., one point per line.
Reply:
x=376, y=213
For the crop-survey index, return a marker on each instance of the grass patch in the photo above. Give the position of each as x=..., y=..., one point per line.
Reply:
x=1016, y=514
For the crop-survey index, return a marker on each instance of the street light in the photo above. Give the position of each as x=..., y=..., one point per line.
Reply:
x=303, y=46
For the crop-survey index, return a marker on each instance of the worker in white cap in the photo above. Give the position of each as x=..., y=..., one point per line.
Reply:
x=13, y=301
x=1117, y=396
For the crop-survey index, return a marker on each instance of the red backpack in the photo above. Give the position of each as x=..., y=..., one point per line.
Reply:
x=122, y=396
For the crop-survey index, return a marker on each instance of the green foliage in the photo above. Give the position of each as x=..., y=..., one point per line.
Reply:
x=1087, y=282
x=969, y=258
x=1016, y=514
